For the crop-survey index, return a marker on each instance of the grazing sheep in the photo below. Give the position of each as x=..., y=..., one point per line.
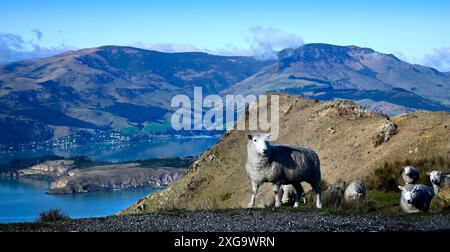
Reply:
x=355, y=191
x=415, y=198
x=281, y=165
x=439, y=180
x=334, y=195
x=337, y=189
x=410, y=175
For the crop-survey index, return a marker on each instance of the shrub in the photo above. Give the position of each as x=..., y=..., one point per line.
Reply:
x=52, y=215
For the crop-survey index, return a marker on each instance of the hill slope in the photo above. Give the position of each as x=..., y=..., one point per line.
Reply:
x=342, y=134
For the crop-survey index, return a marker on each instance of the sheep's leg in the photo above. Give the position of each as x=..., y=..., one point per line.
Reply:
x=318, y=192
x=278, y=194
x=298, y=194
x=255, y=187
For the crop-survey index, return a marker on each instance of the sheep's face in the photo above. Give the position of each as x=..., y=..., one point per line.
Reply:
x=260, y=143
x=435, y=177
x=408, y=171
x=410, y=195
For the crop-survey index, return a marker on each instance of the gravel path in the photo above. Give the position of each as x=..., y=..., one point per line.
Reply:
x=244, y=220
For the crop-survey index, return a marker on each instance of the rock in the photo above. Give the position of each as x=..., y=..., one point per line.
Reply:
x=114, y=177
x=389, y=130
x=52, y=169
x=441, y=202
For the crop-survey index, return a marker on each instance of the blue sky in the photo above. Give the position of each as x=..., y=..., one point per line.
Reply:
x=413, y=30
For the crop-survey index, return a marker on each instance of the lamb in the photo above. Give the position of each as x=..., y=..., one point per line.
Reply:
x=415, y=198
x=355, y=191
x=281, y=165
x=410, y=175
x=439, y=180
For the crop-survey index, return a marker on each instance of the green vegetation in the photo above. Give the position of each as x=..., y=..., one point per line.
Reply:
x=129, y=130
x=156, y=127
x=386, y=202
x=22, y=163
x=166, y=162
x=53, y=215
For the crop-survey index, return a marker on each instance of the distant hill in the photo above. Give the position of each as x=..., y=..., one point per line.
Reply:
x=327, y=72
x=343, y=134
x=129, y=89
x=105, y=88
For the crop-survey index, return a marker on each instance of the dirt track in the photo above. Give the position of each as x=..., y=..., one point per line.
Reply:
x=244, y=220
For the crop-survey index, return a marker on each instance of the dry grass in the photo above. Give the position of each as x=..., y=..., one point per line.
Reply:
x=52, y=215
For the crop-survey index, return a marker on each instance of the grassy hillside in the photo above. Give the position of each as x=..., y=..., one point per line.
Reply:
x=341, y=132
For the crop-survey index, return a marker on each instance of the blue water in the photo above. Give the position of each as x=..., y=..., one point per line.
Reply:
x=21, y=200
x=123, y=152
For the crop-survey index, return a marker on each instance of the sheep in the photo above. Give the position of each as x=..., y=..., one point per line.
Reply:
x=289, y=194
x=415, y=198
x=410, y=175
x=439, y=180
x=334, y=194
x=355, y=191
x=281, y=165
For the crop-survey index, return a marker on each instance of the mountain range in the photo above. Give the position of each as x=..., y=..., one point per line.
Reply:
x=129, y=90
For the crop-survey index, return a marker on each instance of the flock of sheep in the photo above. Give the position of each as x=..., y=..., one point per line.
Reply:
x=285, y=165
x=417, y=197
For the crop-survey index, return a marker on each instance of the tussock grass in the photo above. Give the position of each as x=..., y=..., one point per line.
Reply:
x=387, y=177
x=52, y=215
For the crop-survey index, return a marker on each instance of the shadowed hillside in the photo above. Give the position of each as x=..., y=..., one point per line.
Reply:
x=346, y=137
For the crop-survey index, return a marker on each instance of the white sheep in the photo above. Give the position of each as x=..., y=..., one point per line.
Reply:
x=289, y=194
x=281, y=165
x=439, y=180
x=410, y=175
x=415, y=198
x=355, y=191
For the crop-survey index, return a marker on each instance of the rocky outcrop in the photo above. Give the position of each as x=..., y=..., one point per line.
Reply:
x=388, y=131
x=441, y=202
x=114, y=177
x=49, y=169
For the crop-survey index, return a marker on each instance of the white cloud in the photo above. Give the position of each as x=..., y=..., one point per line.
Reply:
x=439, y=59
x=266, y=41
x=13, y=48
x=169, y=48
x=263, y=43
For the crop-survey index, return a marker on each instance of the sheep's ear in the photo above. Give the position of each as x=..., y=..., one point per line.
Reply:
x=249, y=136
x=401, y=188
x=428, y=173
x=269, y=134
